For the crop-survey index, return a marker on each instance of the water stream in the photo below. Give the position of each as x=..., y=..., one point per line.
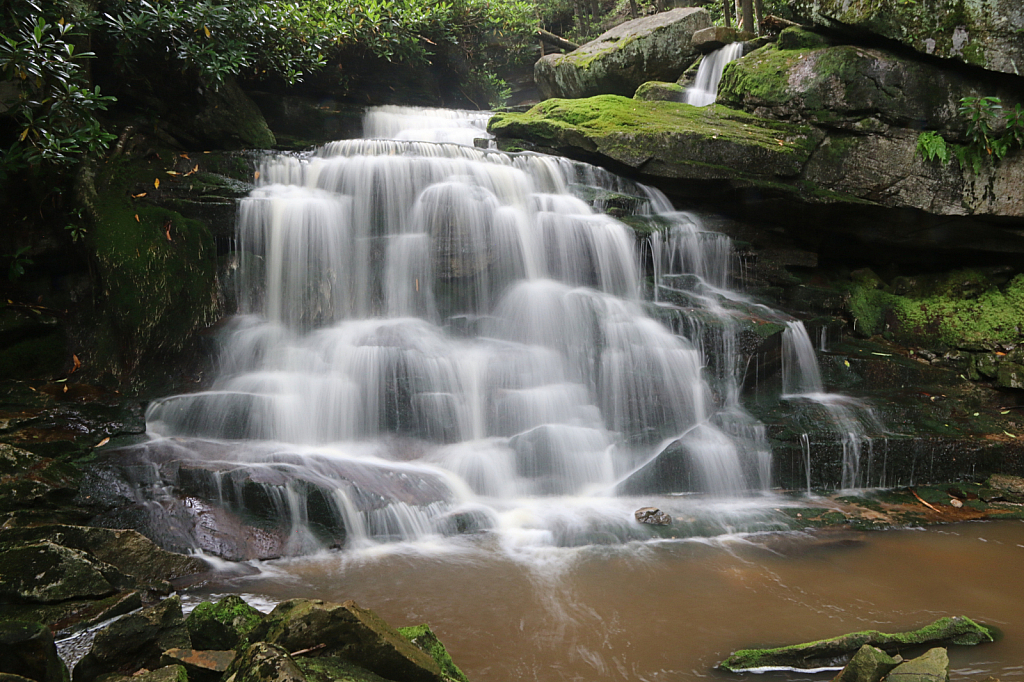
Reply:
x=704, y=90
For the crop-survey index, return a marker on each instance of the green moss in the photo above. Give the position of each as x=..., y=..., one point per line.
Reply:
x=960, y=630
x=800, y=38
x=425, y=639
x=951, y=312
x=222, y=625
x=334, y=669
x=608, y=114
x=157, y=268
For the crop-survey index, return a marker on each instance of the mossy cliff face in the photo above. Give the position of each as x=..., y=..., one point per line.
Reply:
x=977, y=321
x=651, y=48
x=157, y=269
x=802, y=77
x=665, y=139
x=984, y=33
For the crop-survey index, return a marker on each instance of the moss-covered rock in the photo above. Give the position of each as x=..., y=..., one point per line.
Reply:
x=985, y=33
x=653, y=48
x=231, y=120
x=657, y=91
x=423, y=637
x=666, y=139
x=221, y=625
x=958, y=630
x=932, y=666
x=264, y=662
x=351, y=633
x=130, y=552
x=961, y=310
x=802, y=77
x=156, y=268
x=335, y=669
x=27, y=649
x=45, y=573
x=868, y=665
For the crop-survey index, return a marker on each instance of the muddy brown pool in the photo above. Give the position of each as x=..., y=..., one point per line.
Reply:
x=672, y=610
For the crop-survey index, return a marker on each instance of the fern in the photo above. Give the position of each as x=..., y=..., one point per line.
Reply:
x=931, y=145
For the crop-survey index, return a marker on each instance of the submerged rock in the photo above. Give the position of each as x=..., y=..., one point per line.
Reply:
x=653, y=516
x=826, y=652
x=650, y=48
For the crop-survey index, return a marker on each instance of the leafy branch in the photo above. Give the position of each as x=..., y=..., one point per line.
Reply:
x=984, y=143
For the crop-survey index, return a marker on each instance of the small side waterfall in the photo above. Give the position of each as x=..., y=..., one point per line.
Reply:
x=851, y=419
x=704, y=90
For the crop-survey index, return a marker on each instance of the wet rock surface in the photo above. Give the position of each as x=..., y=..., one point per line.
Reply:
x=221, y=625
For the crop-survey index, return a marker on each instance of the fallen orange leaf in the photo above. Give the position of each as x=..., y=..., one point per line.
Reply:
x=257, y=175
x=137, y=218
x=184, y=156
x=139, y=195
x=77, y=364
x=103, y=442
x=156, y=183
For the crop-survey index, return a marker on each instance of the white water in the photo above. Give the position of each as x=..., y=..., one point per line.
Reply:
x=457, y=316
x=851, y=419
x=704, y=90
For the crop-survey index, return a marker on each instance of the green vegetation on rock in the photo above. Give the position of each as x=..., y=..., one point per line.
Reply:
x=423, y=637
x=960, y=310
x=221, y=625
x=958, y=630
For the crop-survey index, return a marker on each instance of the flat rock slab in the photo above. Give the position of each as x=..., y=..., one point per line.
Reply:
x=653, y=48
x=933, y=666
x=43, y=572
x=838, y=650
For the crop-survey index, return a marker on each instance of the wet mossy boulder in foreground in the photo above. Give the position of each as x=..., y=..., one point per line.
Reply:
x=985, y=33
x=838, y=650
x=350, y=633
x=221, y=625
x=653, y=48
x=423, y=637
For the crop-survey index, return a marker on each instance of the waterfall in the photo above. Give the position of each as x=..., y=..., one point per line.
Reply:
x=436, y=338
x=852, y=420
x=704, y=90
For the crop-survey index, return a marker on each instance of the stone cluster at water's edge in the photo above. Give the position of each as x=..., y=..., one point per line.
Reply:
x=300, y=640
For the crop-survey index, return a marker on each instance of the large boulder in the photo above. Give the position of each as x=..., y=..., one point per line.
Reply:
x=653, y=48
x=353, y=634
x=985, y=33
x=802, y=77
x=136, y=641
x=43, y=572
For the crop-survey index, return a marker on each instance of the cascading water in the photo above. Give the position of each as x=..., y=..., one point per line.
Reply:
x=704, y=90
x=431, y=330
x=851, y=419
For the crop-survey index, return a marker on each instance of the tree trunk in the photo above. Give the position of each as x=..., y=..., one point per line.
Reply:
x=556, y=40
x=632, y=8
x=759, y=14
x=725, y=11
x=748, y=15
